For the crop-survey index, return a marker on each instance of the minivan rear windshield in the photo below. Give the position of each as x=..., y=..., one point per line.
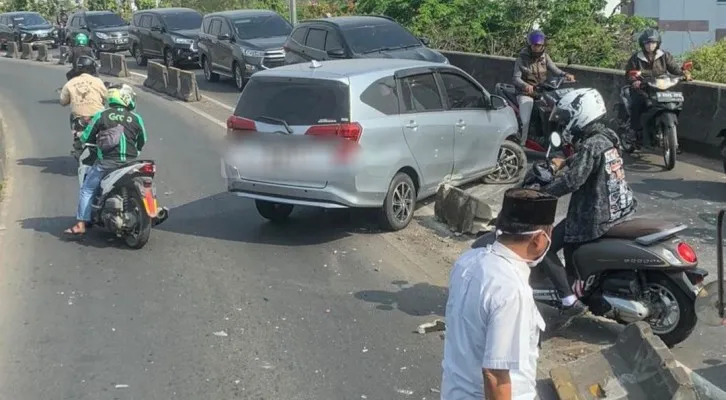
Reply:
x=367, y=38
x=297, y=101
x=28, y=20
x=258, y=27
x=183, y=21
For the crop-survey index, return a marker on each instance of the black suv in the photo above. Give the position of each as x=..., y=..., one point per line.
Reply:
x=168, y=33
x=25, y=27
x=240, y=43
x=106, y=31
x=356, y=37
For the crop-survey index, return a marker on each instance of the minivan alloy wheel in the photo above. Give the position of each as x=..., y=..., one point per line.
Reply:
x=402, y=203
x=511, y=162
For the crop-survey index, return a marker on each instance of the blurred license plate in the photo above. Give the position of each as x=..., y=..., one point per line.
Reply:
x=669, y=97
x=120, y=41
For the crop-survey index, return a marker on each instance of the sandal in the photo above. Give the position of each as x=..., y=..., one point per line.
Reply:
x=73, y=232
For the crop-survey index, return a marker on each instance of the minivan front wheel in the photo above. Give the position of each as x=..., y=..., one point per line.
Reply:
x=239, y=77
x=209, y=74
x=141, y=61
x=400, y=203
x=275, y=212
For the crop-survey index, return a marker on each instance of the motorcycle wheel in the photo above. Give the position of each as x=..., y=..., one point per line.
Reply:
x=671, y=295
x=141, y=233
x=670, y=145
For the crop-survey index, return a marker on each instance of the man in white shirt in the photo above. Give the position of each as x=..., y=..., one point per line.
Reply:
x=492, y=322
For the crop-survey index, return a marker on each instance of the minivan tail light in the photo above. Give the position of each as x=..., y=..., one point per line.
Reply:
x=686, y=253
x=241, y=124
x=349, y=130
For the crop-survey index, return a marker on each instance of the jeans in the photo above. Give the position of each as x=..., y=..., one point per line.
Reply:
x=88, y=191
x=552, y=265
x=526, y=104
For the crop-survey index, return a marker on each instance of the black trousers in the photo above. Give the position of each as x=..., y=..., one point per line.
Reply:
x=552, y=265
x=638, y=105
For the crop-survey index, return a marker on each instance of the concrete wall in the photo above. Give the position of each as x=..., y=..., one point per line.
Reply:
x=703, y=116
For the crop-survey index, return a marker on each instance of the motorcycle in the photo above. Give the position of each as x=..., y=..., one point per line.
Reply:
x=639, y=271
x=546, y=96
x=660, y=120
x=127, y=205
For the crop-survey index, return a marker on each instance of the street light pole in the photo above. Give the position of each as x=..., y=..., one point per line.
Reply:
x=293, y=12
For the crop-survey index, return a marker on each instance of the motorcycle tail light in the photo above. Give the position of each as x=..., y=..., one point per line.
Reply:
x=148, y=169
x=686, y=253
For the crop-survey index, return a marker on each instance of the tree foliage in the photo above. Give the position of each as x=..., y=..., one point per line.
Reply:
x=709, y=62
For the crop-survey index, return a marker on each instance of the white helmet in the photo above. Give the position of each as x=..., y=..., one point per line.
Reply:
x=578, y=109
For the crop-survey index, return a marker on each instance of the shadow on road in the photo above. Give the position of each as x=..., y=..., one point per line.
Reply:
x=226, y=217
x=681, y=189
x=49, y=101
x=715, y=373
x=95, y=237
x=417, y=300
x=58, y=165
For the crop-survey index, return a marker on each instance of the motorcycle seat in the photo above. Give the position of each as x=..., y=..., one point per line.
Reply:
x=638, y=227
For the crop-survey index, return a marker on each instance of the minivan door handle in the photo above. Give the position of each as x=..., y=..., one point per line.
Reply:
x=411, y=125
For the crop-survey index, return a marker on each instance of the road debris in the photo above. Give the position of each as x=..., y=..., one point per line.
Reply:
x=407, y=392
x=435, y=326
x=221, y=334
x=122, y=386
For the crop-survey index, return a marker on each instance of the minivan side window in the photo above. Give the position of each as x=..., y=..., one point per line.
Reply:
x=146, y=21
x=155, y=22
x=136, y=20
x=224, y=28
x=461, y=93
x=299, y=35
x=215, y=28
x=332, y=42
x=382, y=95
x=205, y=25
x=316, y=39
x=420, y=93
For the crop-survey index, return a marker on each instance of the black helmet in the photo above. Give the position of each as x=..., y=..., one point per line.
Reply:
x=85, y=64
x=648, y=36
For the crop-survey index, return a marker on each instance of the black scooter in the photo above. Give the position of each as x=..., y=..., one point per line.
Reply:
x=639, y=271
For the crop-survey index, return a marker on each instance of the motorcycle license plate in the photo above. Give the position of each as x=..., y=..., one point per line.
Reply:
x=669, y=97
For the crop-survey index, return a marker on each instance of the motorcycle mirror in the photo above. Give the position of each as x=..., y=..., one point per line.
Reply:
x=687, y=66
x=555, y=140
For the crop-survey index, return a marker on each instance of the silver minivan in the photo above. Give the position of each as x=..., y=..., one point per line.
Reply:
x=365, y=133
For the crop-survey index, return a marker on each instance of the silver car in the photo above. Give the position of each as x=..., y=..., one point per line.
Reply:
x=373, y=133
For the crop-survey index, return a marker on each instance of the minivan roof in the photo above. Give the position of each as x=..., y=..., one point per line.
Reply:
x=167, y=10
x=354, y=20
x=10, y=14
x=348, y=68
x=95, y=12
x=241, y=13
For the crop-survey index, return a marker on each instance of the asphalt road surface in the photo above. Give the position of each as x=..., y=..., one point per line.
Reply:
x=317, y=309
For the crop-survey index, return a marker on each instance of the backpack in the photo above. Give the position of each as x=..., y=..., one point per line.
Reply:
x=109, y=139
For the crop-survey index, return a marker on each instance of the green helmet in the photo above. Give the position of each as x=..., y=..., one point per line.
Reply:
x=81, y=39
x=121, y=97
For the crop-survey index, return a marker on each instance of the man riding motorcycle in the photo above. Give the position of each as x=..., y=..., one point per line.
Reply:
x=119, y=135
x=86, y=93
x=594, y=174
x=651, y=61
x=62, y=18
x=80, y=49
x=530, y=70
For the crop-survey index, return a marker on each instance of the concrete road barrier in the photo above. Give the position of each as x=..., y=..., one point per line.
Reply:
x=27, y=51
x=638, y=366
x=64, y=50
x=118, y=66
x=188, y=88
x=157, y=77
x=461, y=211
x=105, y=68
x=42, y=53
x=12, y=50
x=172, y=87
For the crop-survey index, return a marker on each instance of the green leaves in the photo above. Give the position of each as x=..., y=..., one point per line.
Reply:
x=709, y=62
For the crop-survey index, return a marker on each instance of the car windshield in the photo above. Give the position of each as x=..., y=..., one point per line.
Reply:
x=29, y=20
x=263, y=26
x=297, y=101
x=183, y=21
x=369, y=38
x=104, y=20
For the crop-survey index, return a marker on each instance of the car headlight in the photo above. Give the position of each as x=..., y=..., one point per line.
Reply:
x=254, y=53
x=183, y=41
x=446, y=61
x=102, y=35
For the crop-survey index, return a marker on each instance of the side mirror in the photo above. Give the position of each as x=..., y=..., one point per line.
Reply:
x=555, y=140
x=336, y=53
x=497, y=102
x=425, y=41
x=687, y=66
x=224, y=37
x=156, y=29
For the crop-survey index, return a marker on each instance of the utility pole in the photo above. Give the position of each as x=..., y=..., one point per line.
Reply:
x=293, y=12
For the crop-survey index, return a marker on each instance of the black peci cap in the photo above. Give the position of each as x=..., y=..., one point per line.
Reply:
x=527, y=207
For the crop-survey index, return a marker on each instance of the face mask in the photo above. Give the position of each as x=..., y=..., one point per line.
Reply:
x=534, y=263
x=650, y=47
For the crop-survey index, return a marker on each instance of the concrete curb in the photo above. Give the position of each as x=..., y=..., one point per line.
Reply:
x=118, y=67
x=105, y=68
x=27, y=51
x=42, y=53
x=705, y=389
x=12, y=50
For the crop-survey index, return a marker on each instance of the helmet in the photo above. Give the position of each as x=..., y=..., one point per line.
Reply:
x=85, y=64
x=81, y=39
x=121, y=97
x=649, y=35
x=576, y=110
x=536, y=37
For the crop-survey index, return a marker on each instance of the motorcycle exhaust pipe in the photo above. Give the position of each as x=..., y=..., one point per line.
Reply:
x=162, y=216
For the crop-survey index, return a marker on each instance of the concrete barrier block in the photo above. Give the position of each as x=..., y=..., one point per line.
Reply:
x=118, y=66
x=156, y=77
x=638, y=366
x=172, y=88
x=105, y=64
x=12, y=50
x=64, y=50
x=27, y=51
x=188, y=89
x=42, y=53
x=460, y=210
